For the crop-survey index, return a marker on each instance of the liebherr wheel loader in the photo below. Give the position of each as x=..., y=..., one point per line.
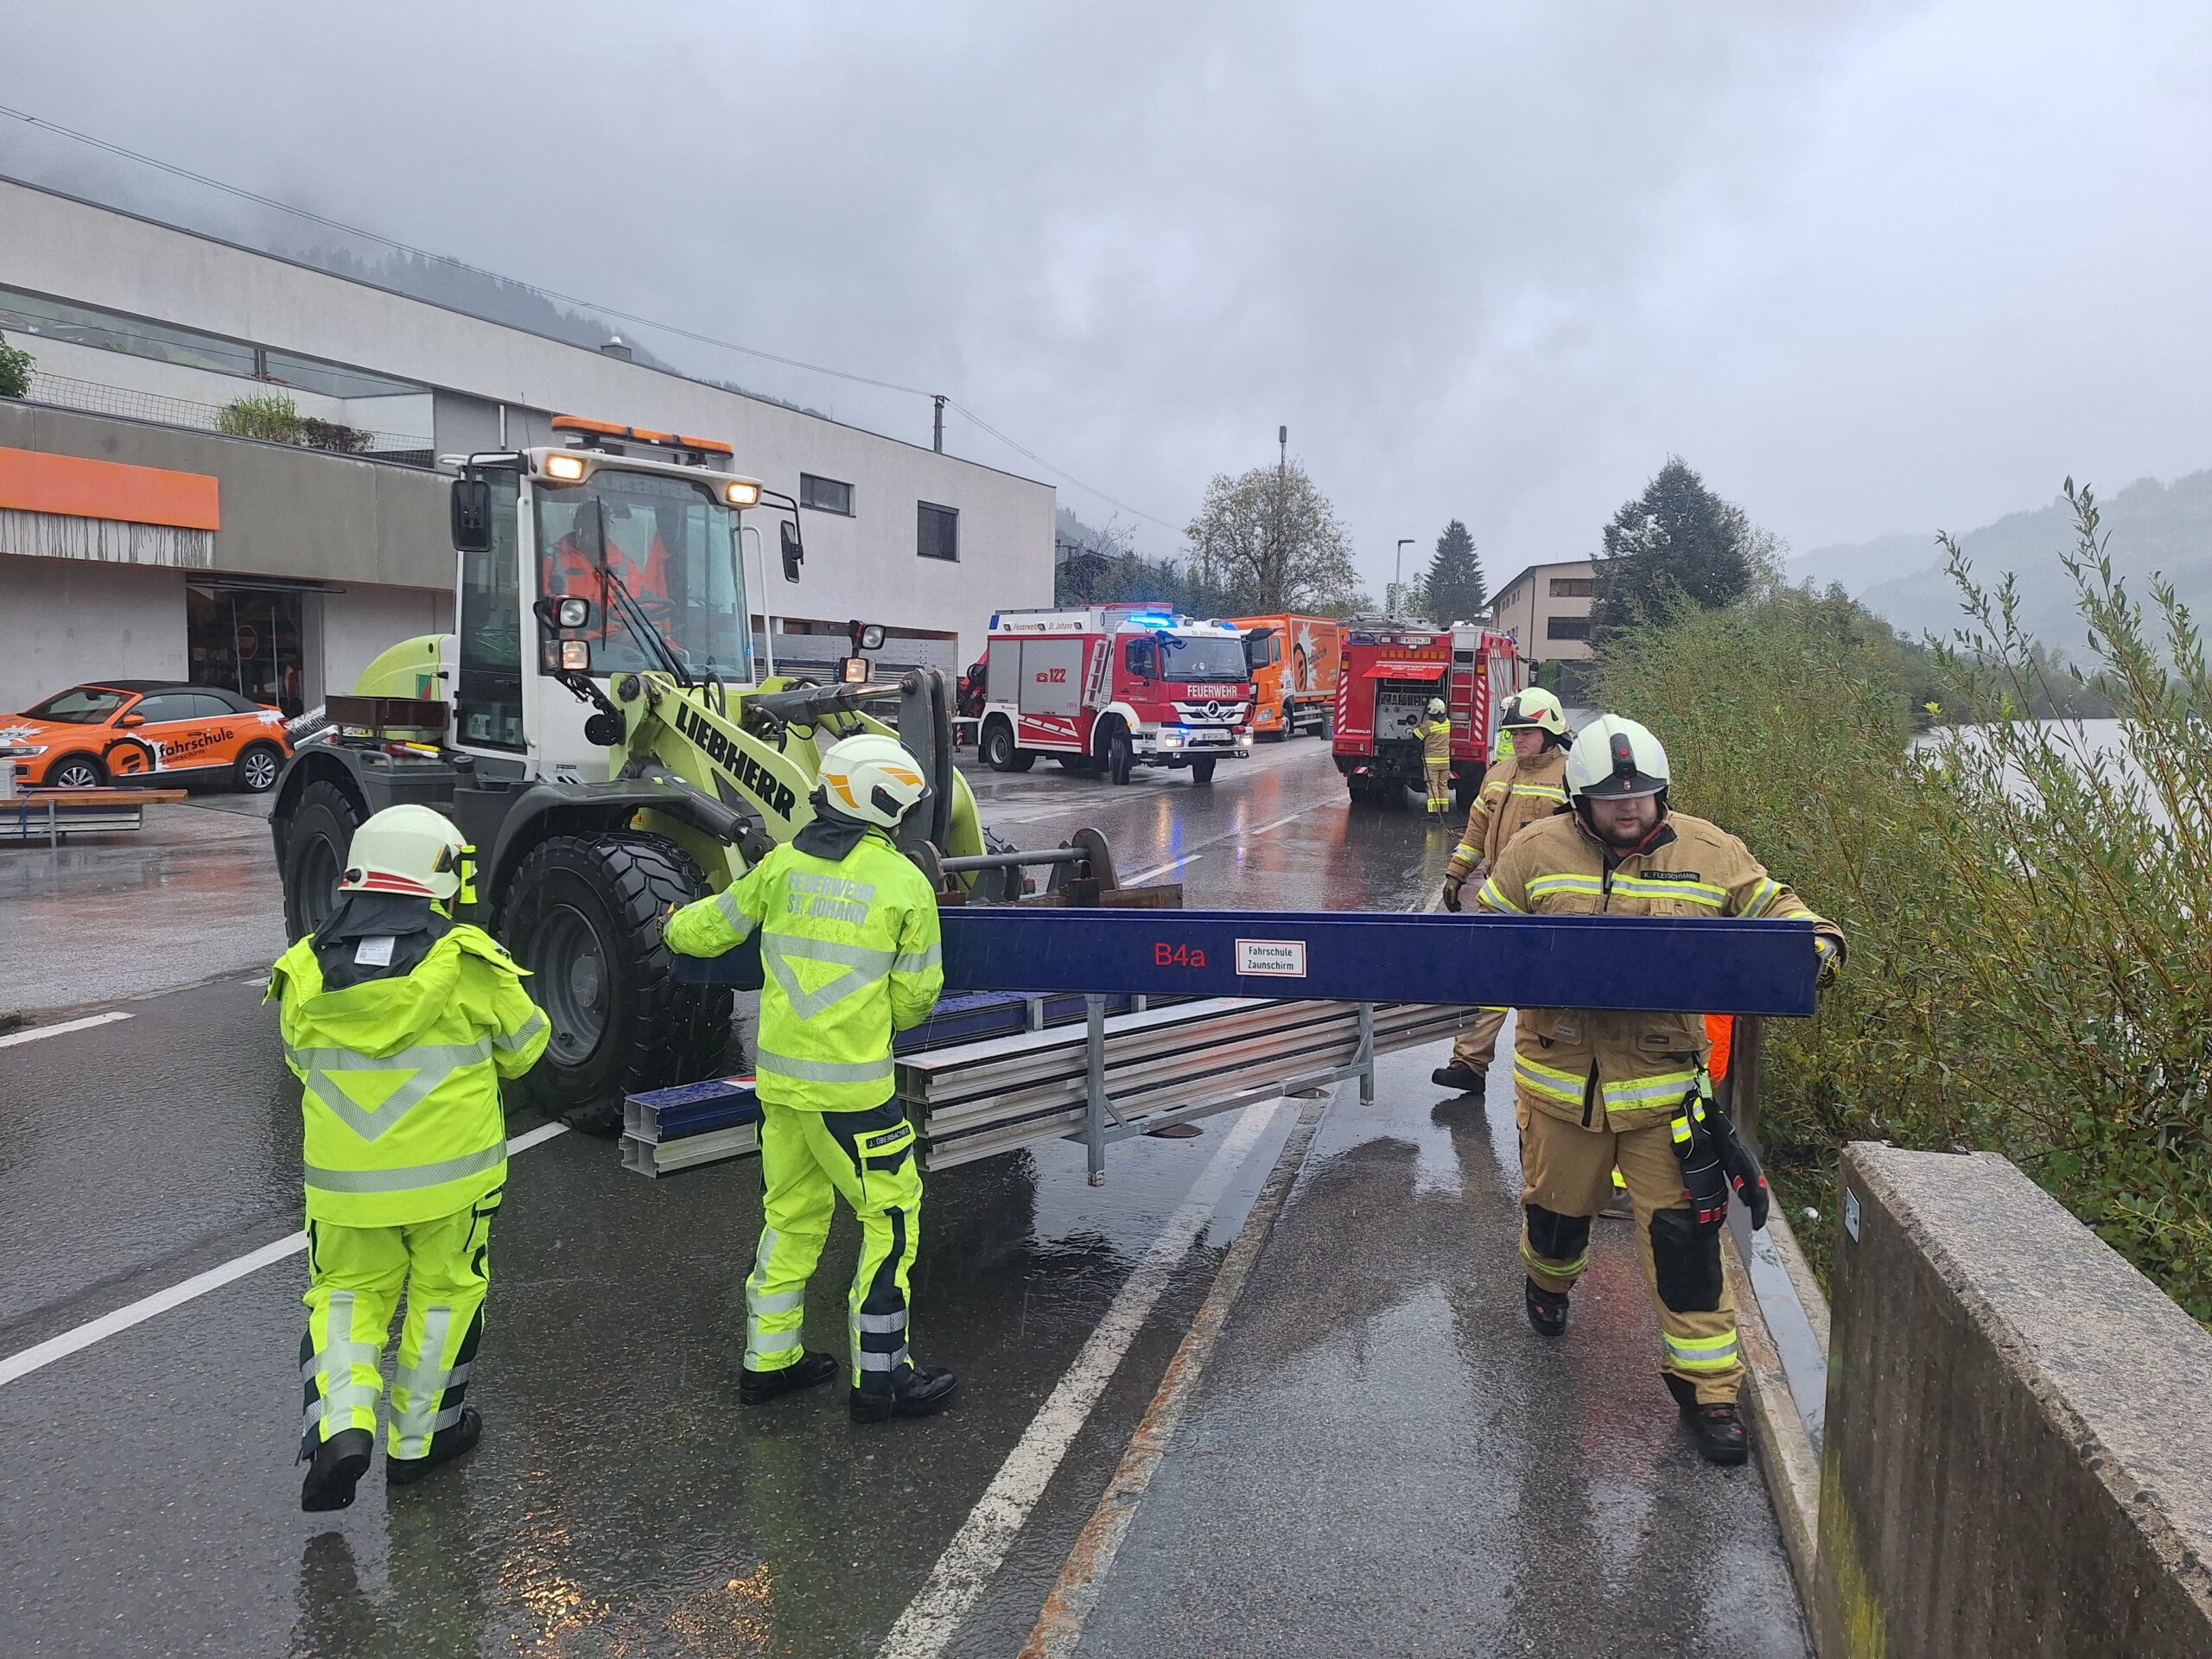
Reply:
x=594, y=726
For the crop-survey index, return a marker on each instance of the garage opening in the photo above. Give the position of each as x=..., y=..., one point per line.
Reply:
x=250, y=640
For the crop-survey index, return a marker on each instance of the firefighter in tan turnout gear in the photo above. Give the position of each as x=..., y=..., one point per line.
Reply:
x=1528, y=784
x=1597, y=1088
x=1436, y=735
x=400, y=1022
x=850, y=949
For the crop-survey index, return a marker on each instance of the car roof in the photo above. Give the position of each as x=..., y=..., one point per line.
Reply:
x=143, y=688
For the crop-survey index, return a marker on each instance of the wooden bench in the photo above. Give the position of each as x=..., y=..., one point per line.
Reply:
x=50, y=814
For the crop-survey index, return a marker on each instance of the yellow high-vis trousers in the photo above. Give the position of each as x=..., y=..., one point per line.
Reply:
x=356, y=1275
x=807, y=1158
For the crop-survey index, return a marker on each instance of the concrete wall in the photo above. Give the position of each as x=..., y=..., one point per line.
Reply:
x=2018, y=1454
x=62, y=620
x=287, y=512
x=865, y=565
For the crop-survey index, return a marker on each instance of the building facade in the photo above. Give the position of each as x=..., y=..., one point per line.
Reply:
x=227, y=470
x=1547, y=608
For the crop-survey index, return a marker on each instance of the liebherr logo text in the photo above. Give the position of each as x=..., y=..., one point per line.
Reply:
x=748, y=774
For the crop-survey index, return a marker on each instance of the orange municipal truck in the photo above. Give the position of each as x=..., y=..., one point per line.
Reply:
x=1295, y=661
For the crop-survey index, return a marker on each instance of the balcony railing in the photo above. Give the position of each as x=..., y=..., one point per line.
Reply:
x=400, y=448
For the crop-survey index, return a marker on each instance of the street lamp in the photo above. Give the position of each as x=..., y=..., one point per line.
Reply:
x=1397, y=585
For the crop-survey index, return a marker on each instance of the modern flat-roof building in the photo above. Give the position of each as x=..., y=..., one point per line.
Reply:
x=226, y=471
x=1547, y=608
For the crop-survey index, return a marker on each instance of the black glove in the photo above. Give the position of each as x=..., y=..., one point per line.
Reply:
x=1452, y=885
x=1738, y=1164
x=1698, y=1147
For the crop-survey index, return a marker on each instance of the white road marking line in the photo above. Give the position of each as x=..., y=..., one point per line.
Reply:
x=84, y=1336
x=63, y=1029
x=1059, y=1626
x=979, y=1547
x=1277, y=823
x=1160, y=869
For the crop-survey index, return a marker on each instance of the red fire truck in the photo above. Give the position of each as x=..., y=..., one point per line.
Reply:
x=1109, y=688
x=1391, y=670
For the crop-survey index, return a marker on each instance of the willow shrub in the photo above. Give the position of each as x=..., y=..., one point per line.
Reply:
x=2031, y=970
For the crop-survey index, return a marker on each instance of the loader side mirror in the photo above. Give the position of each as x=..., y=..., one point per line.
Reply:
x=794, y=549
x=471, y=515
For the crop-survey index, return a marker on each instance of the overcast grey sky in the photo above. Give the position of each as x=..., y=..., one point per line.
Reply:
x=1869, y=266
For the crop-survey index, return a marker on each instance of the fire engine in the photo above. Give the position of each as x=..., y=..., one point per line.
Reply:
x=1391, y=670
x=1109, y=688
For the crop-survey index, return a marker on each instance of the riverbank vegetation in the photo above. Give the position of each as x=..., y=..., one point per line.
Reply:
x=2028, y=902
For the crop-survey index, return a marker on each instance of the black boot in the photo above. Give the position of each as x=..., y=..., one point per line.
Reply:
x=916, y=1393
x=1719, y=1428
x=335, y=1470
x=1720, y=1436
x=445, y=1445
x=1455, y=1076
x=758, y=1388
x=1547, y=1309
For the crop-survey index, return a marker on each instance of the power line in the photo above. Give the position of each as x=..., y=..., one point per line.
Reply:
x=397, y=246
x=1090, y=489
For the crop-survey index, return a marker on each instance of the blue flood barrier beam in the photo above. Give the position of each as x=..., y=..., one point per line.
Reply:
x=1674, y=964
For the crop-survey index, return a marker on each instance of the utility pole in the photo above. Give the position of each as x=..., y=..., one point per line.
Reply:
x=1398, y=573
x=1282, y=558
x=937, y=434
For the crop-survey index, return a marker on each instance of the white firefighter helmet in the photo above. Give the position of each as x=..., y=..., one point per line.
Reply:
x=411, y=850
x=1436, y=705
x=1534, y=706
x=872, y=778
x=1614, y=757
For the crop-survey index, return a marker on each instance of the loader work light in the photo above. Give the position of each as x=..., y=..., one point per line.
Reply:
x=742, y=494
x=575, y=655
x=572, y=612
x=567, y=468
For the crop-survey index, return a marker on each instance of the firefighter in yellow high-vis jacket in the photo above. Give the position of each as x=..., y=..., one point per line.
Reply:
x=400, y=1022
x=1594, y=1089
x=849, y=945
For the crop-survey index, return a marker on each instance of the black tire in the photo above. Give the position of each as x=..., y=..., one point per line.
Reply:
x=257, y=768
x=1120, y=755
x=583, y=914
x=999, y=751
x=315, y=855
x=77, y=771
x=1289, y=728
x=1202, y=768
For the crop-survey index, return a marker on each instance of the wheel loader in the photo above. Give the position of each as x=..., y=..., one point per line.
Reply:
x=595, y=726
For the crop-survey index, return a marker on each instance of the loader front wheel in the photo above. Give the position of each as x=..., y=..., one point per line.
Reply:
x=583, y=913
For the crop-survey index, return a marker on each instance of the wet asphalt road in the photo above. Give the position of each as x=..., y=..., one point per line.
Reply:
x=1380, y=1461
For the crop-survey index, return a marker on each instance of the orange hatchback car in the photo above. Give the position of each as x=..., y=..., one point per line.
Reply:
x=119, y=730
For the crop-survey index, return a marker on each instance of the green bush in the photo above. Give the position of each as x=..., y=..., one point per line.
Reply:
x=271, y=415
x=2031, y=970
x=15, y=365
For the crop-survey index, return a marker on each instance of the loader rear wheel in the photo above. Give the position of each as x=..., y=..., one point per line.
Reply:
x=315, y=855
x=583, y=914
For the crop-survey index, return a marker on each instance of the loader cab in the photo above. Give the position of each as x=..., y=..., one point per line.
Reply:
x=651, y=545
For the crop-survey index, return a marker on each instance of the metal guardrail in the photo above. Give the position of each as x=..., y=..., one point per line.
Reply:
x=92, y=397
x=1099, y=1079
